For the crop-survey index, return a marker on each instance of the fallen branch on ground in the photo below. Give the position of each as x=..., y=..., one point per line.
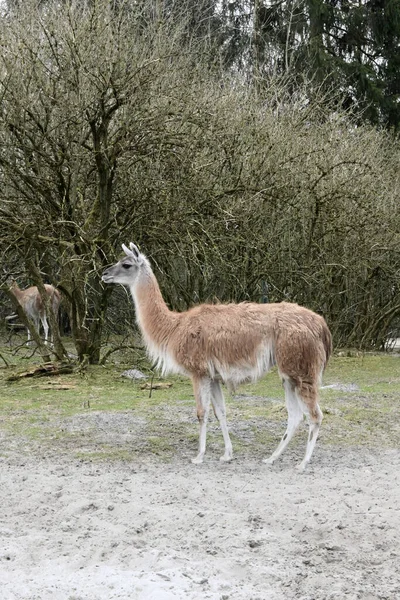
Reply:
x=44, y=370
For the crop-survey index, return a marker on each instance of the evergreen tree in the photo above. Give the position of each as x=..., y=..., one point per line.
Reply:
x=351, y=47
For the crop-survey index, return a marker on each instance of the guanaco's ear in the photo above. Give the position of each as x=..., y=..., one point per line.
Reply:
x=133, y=252
x=134, y=249
x=126, y=250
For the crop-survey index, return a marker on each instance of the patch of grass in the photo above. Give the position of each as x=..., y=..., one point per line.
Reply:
x=365, y=370
x=106, y=454
x=99, y=415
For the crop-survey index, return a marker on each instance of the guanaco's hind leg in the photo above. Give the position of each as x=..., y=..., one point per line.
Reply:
x=300, y=401
x=295, y=416
x=309, y=401
x=202, y=394
x=218, y=402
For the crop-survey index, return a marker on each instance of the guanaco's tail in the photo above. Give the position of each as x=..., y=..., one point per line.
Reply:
x=327, y=341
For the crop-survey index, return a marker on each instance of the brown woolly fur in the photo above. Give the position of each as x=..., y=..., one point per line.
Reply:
x=231, y=343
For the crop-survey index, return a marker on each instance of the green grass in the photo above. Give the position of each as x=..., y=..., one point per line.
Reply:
x=103, y=416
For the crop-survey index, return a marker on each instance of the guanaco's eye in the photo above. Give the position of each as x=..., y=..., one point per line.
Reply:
x=126, y=265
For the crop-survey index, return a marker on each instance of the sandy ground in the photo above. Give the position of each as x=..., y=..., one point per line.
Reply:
x=154, y=530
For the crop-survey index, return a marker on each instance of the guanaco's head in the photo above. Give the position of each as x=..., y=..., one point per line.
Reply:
x=13, y=285
x=127, y=270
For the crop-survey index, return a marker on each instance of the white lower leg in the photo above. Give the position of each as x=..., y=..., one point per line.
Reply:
x=202, y=441
x=295, y=416
x=218, y=402
x=311, y=440
x=202, y=394
x=46, y=329
x=289, y=433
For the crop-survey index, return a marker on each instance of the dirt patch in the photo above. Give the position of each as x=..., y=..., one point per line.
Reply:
x=147, y=529
x=341, y=387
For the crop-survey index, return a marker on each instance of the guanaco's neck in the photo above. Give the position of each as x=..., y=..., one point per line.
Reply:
x=154, y=317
